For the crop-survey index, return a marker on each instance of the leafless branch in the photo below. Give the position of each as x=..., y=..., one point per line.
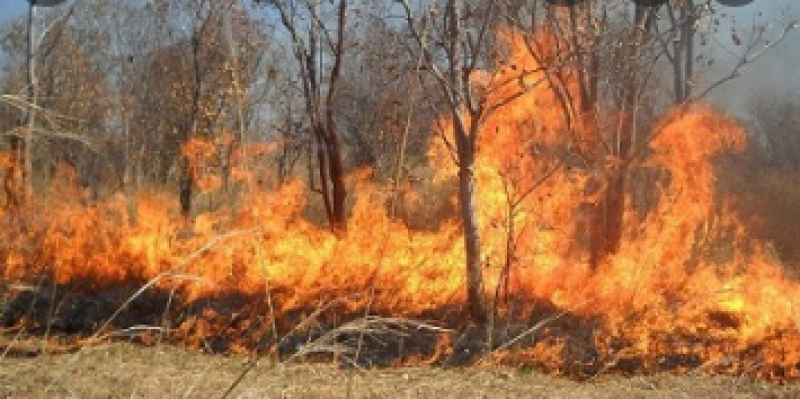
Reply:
x=752, y=54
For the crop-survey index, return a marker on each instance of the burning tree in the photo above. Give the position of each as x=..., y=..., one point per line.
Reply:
x=603, y=64
x=452, y=52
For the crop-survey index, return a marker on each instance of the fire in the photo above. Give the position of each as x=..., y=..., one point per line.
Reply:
x=662, y=295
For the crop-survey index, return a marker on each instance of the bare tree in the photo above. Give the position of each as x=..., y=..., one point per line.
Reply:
x=309, y=38
x=684, y=33
x=201, y=91
x=376, y=122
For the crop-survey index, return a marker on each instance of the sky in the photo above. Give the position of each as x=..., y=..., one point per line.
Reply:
x=12, y=9
x=777, y=70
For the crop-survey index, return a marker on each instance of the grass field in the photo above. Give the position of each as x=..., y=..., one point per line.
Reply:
x=121, y=370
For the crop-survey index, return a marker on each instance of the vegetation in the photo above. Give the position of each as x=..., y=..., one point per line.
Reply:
x=497, y=166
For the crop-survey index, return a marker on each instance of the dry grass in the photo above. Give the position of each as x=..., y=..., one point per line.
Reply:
x=125, y=370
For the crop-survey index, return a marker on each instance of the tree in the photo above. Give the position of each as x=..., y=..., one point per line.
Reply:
x=377, y=123
x=181, y=84
x=124, y=86
x=683, y=38
x=602, y=62
x=71, y=86
x=320, y=93
x=452, y=51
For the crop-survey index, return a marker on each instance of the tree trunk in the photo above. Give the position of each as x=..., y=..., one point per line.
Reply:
x=607, y=220
x=338, y=191
x=329, y=154
x=27, y=157
x=336, y=174
x=472, y=243
x=186, y=188
x=609, y=213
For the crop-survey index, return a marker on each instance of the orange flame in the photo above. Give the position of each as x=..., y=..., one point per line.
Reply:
x=657, y=295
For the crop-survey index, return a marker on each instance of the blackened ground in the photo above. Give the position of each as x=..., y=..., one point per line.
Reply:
x=330, y=333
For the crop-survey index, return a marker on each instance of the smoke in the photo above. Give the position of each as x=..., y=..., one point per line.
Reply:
x=775, y=71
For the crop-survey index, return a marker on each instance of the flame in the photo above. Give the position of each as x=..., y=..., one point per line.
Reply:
x=660, y=295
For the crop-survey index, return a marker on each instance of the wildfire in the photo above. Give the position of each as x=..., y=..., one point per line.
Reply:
x=668, y=291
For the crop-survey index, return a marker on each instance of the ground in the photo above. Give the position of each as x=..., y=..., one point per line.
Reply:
x=135, y=371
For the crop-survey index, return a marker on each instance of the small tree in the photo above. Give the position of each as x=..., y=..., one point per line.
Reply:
x=320, y=96
x=185, y=79
x=453, y=56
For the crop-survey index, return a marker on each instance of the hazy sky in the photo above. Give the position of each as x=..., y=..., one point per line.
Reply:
x=777, y=70
x=12, y=9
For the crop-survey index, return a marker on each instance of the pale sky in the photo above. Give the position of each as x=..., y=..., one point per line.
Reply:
x=12, y=9
x=778, y=70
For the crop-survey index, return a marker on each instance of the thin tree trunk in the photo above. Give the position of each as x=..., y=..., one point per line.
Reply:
x=187, y=177
x=32, y=101
x=609, y=213
x=186, y=188
x=688, y=37
x=238, y=139
x=336, y=174
x=607, y=220
x=333, y=145
x=472, y=243
x=329, y=153
x=323, y=166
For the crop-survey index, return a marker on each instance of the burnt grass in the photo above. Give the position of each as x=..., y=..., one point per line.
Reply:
x=546, y=340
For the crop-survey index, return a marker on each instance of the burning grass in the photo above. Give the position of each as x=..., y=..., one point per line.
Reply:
x=261, y=277
x=264, y=279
